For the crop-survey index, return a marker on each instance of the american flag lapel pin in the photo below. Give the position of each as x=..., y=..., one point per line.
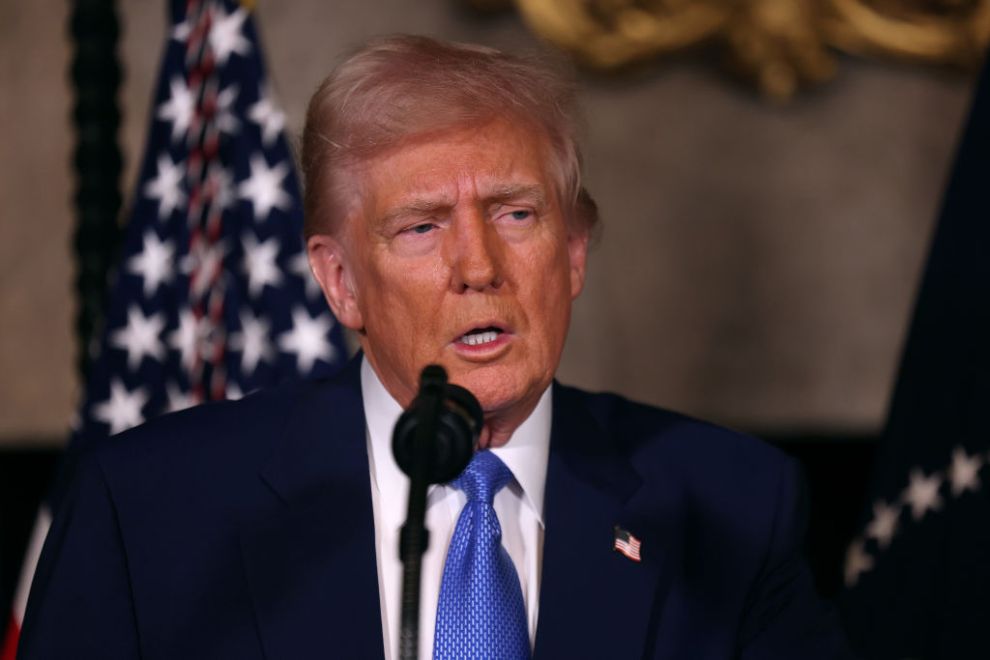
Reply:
x=626, y=544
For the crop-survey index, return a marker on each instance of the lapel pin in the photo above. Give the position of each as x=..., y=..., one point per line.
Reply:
x=626, y=544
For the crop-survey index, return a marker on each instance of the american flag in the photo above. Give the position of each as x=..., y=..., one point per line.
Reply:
x=626, y=544
x=212, y=297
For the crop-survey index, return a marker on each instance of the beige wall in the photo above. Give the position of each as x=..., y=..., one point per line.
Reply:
x=758, y=263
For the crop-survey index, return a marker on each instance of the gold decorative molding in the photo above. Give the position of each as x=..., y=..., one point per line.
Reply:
x=781, y=46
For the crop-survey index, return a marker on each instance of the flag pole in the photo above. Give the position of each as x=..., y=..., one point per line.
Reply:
x=95, y=74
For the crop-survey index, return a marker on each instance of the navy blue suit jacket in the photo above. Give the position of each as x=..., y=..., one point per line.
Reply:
x=245, y=530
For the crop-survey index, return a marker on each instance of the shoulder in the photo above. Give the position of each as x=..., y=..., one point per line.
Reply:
x=197, y=473
x=707, y=460
x=232, y=431
x=209, y=454
x=642, y=428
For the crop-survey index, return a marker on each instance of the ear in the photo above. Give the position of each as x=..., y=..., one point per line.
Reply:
x=332, y=269
x=577, y=251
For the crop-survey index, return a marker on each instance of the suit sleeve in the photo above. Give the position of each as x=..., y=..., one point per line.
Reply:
x=80, y=605
x=785, y=618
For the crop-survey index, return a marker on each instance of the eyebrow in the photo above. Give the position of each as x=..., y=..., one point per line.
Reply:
x=532, y=193
x=414, y=207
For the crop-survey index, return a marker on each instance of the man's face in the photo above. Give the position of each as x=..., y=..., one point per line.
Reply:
x=459, y=255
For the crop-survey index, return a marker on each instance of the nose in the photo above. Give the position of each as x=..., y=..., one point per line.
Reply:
x=473, y=253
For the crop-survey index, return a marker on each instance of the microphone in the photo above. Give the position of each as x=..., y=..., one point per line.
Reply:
x=433, y=441
x=448, y=417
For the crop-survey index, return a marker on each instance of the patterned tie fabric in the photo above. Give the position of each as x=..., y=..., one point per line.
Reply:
x=480, y=613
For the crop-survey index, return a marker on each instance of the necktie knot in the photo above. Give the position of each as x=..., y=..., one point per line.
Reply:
x=484, y=476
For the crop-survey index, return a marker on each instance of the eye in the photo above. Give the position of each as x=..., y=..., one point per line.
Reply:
x=515, y=218
x=423, y=228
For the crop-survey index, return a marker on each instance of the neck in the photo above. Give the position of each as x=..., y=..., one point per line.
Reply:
x=499, y=426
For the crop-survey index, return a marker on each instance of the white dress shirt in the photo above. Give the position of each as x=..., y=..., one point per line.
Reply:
x=519, y=507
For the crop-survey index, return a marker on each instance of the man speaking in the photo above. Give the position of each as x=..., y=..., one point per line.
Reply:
x=447, y=224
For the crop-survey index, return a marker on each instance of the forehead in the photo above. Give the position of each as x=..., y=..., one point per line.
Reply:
x=448, y=165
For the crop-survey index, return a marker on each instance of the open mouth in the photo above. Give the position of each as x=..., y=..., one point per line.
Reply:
x=480, y=336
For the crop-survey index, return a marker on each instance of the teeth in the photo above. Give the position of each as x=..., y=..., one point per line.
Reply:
x=478, y=338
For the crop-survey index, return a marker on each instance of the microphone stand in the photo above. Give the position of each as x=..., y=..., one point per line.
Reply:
x=432, y=443
x=414, y=537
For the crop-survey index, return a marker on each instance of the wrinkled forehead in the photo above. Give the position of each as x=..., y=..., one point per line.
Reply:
x=495, y=160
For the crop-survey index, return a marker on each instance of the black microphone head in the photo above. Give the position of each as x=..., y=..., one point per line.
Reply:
x=458, y=424
x=433, y=375
x=466, y=405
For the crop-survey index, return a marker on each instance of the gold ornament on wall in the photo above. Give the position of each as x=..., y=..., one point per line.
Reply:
x=781, y=46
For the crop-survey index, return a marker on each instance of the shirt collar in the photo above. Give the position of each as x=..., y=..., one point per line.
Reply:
x=525, y=453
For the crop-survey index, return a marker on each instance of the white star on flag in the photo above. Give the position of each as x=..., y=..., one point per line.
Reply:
x=299, y=265
x=308, y=339
x=267, y=115
x=182, y=30
x=166, y=187
x=884, y=523
x=260, y=263
x=857, y=562
x=964, y=471
x=140, y=337
x=252, y=342
x=225, y=34
x=185, y=339
x=122, y=410
x=154, y=263
x=233, y=392
x=264, y=187
x=922, y=494
x=179, y=109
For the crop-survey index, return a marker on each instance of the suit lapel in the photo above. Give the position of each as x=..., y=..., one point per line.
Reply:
x=310, y=562
x=594, y=601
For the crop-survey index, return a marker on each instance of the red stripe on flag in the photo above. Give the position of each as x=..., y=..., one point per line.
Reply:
x=9, y=649
x=31, y=554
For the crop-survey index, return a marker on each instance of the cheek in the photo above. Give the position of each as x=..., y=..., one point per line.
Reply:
x=550, y=305
x=557, y=278
x=405, y=300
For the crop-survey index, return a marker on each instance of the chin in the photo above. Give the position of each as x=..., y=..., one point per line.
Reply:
x=495, y=391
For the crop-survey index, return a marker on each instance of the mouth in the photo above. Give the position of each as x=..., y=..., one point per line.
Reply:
x=480, y=336
x=483, y=342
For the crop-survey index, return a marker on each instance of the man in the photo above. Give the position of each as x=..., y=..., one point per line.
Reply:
x=446, y=224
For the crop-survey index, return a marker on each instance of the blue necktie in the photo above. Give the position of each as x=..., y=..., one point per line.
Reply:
x=480, y=613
